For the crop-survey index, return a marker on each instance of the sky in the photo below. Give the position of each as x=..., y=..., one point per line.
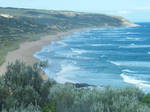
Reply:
x=134, y=10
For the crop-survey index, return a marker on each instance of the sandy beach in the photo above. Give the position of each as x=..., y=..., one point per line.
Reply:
x=27, y=49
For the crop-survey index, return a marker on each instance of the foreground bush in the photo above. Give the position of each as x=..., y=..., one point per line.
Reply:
x=23, y=85
x=29, y=108
x=23, y=90
x=70, y=99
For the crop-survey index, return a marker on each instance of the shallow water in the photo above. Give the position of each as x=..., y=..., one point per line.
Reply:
x=110, y=56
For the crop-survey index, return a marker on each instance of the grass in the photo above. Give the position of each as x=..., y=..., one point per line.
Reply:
x=6, y=49
x=11, y=45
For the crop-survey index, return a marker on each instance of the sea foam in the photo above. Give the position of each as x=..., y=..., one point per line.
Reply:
x=139, y=83
x=131, y=63
x=78, y=51
x=96, y=45
x=133, y=39
x=131, y=80
x=64, y=74
x=135, y=46
x=132, y=33
x=127, y=70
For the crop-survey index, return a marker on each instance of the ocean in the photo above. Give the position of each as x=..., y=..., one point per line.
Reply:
x=104, y=56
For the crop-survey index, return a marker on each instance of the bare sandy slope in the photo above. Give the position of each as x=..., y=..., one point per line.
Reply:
x=27, y=49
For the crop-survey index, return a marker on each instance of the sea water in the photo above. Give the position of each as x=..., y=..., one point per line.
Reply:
x=109, y=56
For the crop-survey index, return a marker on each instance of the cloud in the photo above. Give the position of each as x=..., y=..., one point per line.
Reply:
x=142, y=8
x=124, y=12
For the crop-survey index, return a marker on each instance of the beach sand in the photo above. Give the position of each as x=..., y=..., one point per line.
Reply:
x=26, y=50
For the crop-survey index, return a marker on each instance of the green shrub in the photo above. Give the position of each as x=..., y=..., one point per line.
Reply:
x=22, y=84
x=50, y=108
x=146, y=100
x=70, y=99
x=29, y=108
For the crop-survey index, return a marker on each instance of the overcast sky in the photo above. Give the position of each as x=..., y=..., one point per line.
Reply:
x=134, y=10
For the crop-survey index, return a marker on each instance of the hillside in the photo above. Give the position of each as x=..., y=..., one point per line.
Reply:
x=19, y=25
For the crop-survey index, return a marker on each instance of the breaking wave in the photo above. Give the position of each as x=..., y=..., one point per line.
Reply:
x=139, y=83
x=135, y=46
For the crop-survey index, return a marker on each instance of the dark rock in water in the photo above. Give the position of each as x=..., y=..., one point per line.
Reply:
x=80, y=85
x=84, y=85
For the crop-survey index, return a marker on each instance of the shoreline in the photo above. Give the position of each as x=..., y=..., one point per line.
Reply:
x=26, y=50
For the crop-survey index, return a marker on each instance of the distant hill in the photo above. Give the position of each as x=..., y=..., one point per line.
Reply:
x=15, y=20
x=18, y=24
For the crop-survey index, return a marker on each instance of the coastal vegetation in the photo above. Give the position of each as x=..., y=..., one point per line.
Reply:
x=19, y=25
x=23, y=90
